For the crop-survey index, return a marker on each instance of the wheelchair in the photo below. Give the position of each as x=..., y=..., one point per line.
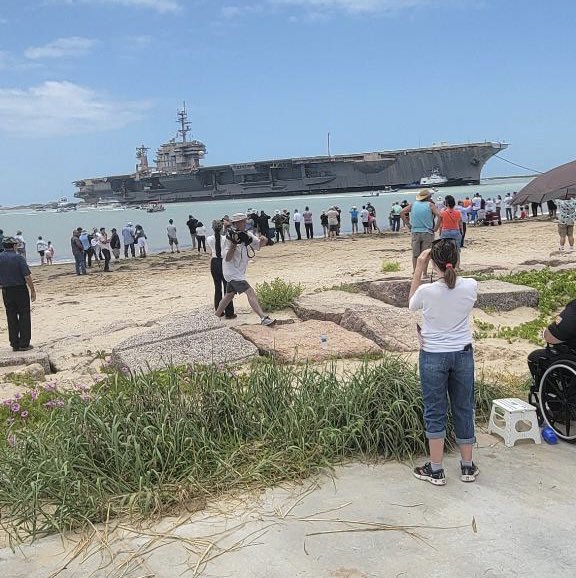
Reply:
x=553, y=389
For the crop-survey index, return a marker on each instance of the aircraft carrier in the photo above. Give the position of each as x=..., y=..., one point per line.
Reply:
x=179, y=175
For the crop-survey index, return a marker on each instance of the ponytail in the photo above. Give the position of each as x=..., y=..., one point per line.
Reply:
x=445, y=256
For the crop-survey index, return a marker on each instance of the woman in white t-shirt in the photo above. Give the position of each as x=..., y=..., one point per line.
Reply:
x=446, y=358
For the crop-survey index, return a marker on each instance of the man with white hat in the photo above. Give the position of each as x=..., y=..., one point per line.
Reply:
x=237, y=249
x=425, y=220
x=128, y=238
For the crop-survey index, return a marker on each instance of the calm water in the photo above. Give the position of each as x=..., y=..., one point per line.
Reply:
x=57, y=227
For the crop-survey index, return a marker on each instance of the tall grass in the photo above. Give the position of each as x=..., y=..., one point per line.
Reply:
x=147, y=444
x=278, y=294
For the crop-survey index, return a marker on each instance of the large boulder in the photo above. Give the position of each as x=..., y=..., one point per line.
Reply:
x=183, y=339
x=330, y=305
x=215, y=346
x=393, y=292
x=503, y=296
x=392, y=328
x=302, y=341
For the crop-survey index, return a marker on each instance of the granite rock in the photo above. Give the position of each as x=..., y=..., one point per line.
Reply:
x=330, y=305
x=393, y=292
x=9, y=358
x=503, y=296
x=214, y=346
x=392, y=328
x=34, y=371
x=301, y=341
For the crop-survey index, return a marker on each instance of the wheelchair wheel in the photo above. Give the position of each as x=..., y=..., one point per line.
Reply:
x=557, y=399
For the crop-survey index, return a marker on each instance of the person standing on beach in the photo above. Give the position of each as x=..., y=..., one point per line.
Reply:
x=201, y=236
x=278, y=221
x=308, y=223
x=264, y=225
x=21, y=244
x=396, y=210
x=451, y=223
x=286, y=223
x=192, y=223
x=172, y=236
x=508, y=206
x=41, y=248
x=422, y=224
x=464, y=212
x=115, y=244
x=236, y=258
x=17, y=292
x=49, y=253
x=129, y=240
x=140, y=238
x=297, y=218
x=476, y=206
x=324, y=223
x=365, y=216
x=354, y=214
x=446, y=362
x=105, y=250
x=566, y=217
x=332, y=215
x=215, y=243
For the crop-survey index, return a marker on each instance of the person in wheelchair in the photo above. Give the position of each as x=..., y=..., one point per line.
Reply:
x=553, y=370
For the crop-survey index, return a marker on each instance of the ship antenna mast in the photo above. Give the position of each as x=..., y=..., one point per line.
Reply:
x=184, y=124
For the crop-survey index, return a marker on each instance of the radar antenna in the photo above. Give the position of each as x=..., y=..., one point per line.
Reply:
x=184, y=124
x=142, y=156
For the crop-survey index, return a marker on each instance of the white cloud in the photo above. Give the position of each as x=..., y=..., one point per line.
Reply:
x=162, y=6
x=61, y=47
x=355, y=6
x=60, y=108
x=234, y=11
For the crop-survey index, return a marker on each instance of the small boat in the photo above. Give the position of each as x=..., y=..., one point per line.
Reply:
x=155, y=207
x=435, y=179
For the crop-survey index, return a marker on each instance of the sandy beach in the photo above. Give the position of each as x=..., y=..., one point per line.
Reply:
x=77, y=318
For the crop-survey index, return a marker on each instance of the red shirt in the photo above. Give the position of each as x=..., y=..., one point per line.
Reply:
x=451, y=220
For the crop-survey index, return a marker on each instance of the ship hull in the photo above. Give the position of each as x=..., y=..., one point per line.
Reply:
x=461, y=164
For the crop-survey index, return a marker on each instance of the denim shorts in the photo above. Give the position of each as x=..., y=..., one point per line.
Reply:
x=452, y=234
x=448, y=376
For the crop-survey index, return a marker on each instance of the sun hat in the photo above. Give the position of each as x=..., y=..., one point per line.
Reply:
x=9, y=241
x=277, y=212
x=238, y=217
x=423, y=194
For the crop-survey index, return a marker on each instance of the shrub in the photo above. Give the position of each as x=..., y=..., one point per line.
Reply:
x=390, y=267
x=144, y=445
x=278, y=294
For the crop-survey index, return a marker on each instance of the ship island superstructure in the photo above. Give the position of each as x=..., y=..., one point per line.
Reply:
x=179, y=176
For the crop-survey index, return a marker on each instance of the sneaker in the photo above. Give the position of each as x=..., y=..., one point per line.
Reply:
x=425, y=473
x=233, y=316
x=267, y=321
x=469, y=473
x=560, y=249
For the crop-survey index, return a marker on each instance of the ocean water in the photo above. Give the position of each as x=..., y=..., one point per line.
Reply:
x=58, y=227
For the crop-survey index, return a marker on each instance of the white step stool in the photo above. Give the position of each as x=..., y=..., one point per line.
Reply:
x=505, y=416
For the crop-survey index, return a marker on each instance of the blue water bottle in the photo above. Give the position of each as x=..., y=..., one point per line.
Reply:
x=549, y=435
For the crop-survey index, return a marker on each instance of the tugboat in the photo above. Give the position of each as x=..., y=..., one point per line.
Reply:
x=434, y=180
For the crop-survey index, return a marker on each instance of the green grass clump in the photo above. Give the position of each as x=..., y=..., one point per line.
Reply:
x=390, y=267
x=556, y=289
x=146, y=445
x=278, y=294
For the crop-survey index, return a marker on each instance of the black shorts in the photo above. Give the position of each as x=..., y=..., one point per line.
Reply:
x=237, y=286
x=333, y=227
x=172, y=241
x=41, y=253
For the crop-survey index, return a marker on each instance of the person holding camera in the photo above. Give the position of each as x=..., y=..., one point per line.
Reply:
x=215, y=243
x=238, y=247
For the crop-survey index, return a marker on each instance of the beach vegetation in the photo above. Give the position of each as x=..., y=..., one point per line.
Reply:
x=151, y=444
x=390, y=267
x=278, y=294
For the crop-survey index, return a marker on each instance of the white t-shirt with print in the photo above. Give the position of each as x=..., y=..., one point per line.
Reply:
x=445, y=314
x=566, y=211
x=235, y=269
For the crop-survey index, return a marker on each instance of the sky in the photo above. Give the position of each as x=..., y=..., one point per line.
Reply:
x=84, y=82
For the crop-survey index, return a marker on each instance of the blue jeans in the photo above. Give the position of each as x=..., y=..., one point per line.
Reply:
x=80, y=264
x=452, y=234
x=443, y=376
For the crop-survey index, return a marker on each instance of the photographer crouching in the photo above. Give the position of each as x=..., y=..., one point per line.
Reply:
x=238, y=248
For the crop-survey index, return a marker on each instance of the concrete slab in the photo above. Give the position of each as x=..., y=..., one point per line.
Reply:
x=331, y=305
x=216, y=346
x=367, y=521
x=175, y=325
x=10, y=358
x=503, y=296
x=392, y=328
x=301, y=341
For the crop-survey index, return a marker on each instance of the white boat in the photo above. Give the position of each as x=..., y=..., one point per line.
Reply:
x=434, y=180
x=155, y=207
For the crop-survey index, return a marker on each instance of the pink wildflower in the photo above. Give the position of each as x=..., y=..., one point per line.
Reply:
x=24, y=414
x=15, y=407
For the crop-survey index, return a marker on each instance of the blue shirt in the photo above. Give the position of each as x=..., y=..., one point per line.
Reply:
x=421, y=217
x=13, y=269
x=354, y=214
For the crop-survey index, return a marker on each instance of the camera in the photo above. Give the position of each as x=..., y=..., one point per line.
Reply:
x=238, y=237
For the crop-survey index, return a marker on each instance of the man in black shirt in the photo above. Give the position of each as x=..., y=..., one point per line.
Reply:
x=192, y=224
x=16, y=280
x=560, y=333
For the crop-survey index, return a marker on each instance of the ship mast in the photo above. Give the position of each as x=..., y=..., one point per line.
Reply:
x=142, y=156
x=183, y=122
